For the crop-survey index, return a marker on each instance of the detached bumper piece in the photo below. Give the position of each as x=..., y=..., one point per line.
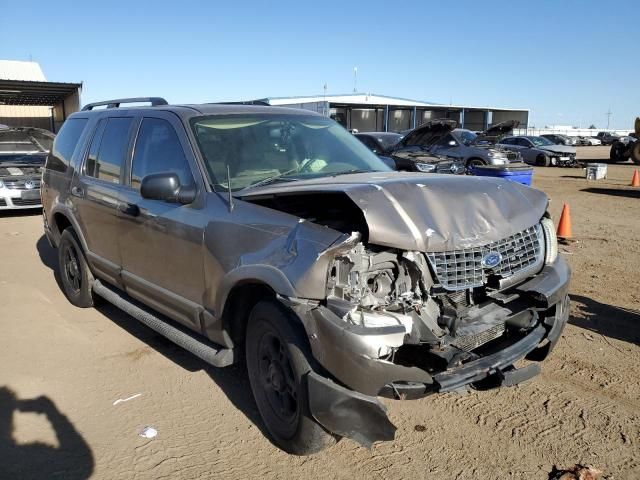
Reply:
x=347, y=413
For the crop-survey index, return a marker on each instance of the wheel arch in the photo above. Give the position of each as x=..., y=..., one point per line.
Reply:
x=61, y=218
x=241, y=290
x=471, y=159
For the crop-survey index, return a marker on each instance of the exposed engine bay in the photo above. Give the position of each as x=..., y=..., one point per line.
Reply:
x=374, y=287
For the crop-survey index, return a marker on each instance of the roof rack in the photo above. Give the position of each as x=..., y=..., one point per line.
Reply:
x=155, y=101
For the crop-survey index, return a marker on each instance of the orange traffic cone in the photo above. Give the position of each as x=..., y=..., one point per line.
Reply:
x=564, y=226
x=635, y=180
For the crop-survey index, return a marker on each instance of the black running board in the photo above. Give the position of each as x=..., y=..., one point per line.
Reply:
x=202, y=348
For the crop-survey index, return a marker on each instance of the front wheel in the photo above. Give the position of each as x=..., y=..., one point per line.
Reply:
x=542, y=160
x=75, y=276
x=635, y=153
x=475, y=162
x=278, y=358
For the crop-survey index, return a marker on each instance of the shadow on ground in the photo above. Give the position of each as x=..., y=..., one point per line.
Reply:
x=608, y=320
x=616, y=192
x=233, y=380
x=71, y=459
x=21, y=212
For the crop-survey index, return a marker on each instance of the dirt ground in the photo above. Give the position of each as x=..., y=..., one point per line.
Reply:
x=62, y=369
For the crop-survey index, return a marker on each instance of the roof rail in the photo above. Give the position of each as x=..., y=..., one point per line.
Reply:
x=155, y=101
x=245, y=102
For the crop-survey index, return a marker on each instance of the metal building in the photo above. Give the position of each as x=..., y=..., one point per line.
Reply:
x=27, y=99
x=371, y=112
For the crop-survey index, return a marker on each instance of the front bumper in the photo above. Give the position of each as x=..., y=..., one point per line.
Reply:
x=349, y=353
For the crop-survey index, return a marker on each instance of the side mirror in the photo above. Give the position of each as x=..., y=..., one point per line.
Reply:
x=166, y=187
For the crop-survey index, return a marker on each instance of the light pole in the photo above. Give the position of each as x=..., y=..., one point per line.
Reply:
x=355, y=79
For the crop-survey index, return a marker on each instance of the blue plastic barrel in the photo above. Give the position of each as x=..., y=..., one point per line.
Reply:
x=515, y=172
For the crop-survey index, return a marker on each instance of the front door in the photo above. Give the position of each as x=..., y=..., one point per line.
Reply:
x=161, y=242
x=95, y=193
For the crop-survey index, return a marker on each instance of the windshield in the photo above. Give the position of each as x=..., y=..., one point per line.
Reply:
x=467, y=137
x=261, y=148
x=540, y=141
x=389, y=140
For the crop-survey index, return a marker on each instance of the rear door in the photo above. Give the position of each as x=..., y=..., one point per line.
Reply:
x=161, y=242
x=95, y=193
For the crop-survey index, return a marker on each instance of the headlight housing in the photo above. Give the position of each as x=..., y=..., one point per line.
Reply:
x=1, y=184
x=425, y=167
x=550, y=240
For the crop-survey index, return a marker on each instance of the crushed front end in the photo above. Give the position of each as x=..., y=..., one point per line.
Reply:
x=405, y=324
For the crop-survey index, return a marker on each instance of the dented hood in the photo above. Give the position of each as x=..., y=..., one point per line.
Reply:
x=428, y=212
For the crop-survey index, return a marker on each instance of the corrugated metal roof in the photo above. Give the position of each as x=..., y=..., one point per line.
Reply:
x=17, y=70
x=22, y=92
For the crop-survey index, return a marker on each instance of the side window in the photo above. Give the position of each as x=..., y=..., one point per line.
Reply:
x=444, y=142
x=107, y=151
x=522, y=142
x=370, y=144
x=158, y=150
x=65, y=144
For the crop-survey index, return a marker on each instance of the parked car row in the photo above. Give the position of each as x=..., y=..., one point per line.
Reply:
x=440, y=147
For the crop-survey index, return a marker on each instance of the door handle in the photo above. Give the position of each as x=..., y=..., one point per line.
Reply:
x=130, y=209
x=77, y=191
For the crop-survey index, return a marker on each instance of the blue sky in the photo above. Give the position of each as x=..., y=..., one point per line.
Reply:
x=568, y=61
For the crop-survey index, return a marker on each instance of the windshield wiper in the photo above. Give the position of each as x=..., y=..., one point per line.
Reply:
x=273, y=178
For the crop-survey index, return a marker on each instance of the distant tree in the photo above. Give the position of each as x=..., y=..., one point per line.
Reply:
x=592, y=126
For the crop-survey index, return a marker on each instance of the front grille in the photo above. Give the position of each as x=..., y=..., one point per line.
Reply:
x=511, y=155
x=461, y=269
x=20, y=183
x=22, y=202
x=471, y=342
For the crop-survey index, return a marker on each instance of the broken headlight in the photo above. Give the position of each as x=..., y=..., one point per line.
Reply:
x=550, y=240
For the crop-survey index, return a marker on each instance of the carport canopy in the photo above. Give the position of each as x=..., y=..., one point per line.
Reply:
x=23, y=92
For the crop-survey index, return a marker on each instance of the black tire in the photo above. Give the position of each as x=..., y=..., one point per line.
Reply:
x=475, y=162
x=614, y=153
x=278, y=357
x=75, y=276
x=542, y=160
x=635, y=153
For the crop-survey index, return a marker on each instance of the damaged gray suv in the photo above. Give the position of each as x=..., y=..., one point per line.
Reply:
x=273, y=236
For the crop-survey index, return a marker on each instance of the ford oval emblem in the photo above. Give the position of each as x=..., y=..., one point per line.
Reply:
x=491, y=259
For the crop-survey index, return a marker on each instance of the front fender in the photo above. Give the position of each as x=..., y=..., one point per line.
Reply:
x=264, y=274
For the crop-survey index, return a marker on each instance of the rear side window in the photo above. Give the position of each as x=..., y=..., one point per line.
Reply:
x=158, y=150
x=108, y=150
x=65, y=144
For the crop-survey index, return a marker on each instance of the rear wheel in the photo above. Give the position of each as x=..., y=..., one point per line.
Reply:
x=75, y=276
x=278, y=359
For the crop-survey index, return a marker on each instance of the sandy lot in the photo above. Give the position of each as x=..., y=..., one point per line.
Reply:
x=62, y=369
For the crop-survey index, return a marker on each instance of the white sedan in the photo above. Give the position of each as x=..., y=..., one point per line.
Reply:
x=593, y=141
